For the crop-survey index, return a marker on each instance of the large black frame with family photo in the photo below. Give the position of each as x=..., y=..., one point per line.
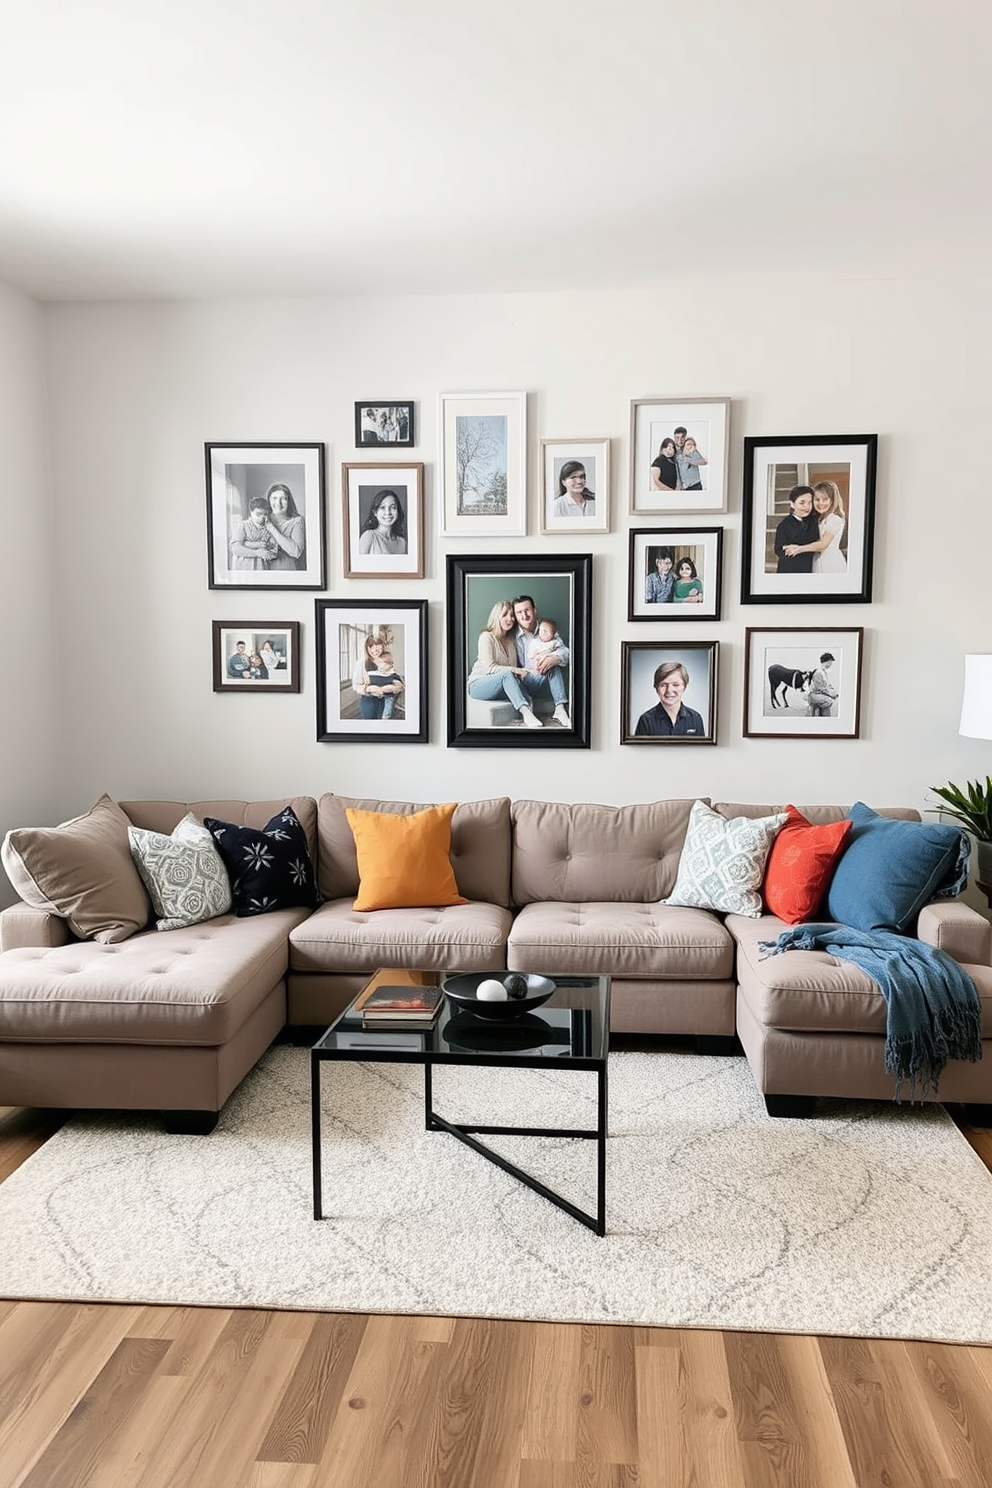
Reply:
x=481, y=595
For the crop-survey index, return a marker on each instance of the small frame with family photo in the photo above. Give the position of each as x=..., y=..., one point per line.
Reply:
x=383, y=520
x=575, y=485
x=678, y=455
x=265, y=516
x=668, y=693
x=802, y=683
x=371, y=671
x=809, y=519
x=384, y=423
x=256, y=655
x=674, y=574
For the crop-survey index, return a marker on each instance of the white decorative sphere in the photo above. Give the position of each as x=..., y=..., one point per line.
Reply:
x=491, y=991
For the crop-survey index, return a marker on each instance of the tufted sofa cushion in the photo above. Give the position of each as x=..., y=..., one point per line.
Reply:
x=622, y=940
x=459, y=937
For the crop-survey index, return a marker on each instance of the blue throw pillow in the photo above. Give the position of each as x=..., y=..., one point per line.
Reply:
x=269, y=867
x=890, y=869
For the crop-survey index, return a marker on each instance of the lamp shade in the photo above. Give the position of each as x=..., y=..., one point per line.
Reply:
x=976, y=705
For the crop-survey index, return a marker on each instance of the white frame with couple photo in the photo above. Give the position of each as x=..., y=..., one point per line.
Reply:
x=653, y=422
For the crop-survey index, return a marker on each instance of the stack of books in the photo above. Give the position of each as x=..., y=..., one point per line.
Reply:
x=396, y=1004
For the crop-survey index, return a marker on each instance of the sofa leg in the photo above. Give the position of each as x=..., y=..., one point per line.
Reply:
x=799, y=1106
x=189, y=1123
x=717, y=1043
x=977, y=1113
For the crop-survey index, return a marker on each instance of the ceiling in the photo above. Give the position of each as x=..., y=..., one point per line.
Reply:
x=201, y=148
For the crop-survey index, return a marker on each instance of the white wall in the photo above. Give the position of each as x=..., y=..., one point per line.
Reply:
x=30, y=721
x=137, y=390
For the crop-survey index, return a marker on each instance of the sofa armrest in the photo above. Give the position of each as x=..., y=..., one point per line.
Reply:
x=957, y=929
x=23, y=926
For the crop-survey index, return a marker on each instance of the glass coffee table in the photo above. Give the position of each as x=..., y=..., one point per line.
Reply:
x=570, y=1031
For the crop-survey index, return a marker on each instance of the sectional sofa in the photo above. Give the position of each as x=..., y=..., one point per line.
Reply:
x=172, y=1020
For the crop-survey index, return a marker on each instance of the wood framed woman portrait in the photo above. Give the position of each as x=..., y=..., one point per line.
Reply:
x=371, y=671
x=383, y=520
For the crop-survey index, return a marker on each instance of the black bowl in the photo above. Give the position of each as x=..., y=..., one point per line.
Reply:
x=482, y=1036
x=461, y=989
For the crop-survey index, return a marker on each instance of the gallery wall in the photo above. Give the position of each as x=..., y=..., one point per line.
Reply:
x=136, y=390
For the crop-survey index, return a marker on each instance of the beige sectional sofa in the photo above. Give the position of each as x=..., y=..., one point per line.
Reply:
x=173, y=1020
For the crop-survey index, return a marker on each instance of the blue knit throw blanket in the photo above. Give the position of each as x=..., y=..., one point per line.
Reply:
x=933, y=1012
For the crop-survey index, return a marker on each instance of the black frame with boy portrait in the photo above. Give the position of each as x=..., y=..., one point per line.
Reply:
x=639, y=662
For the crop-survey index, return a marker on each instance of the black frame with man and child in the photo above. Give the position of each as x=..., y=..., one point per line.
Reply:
x=265, y=516
x=802, y=682
x=371, y=671
x=668, y=693
x=519, y=651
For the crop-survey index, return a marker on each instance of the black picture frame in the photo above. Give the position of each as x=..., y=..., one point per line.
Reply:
x=241, y=474
x=561, y=586
x=343, y=715
x=385, y=423
x=639, y=664
x=776, y=465
x=236, y=643
x=702, y=546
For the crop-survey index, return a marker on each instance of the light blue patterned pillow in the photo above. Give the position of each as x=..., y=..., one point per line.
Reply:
x=722, y=866
x=184, y=874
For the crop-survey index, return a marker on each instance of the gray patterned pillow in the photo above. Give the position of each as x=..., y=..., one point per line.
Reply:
x=184, y=874
x=722, y=866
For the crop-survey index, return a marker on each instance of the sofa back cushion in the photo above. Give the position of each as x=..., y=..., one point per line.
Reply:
x=816, y=815
x=480, y=845
x=582, y=853
x=164, y=816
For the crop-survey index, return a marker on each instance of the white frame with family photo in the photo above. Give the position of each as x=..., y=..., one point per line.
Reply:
x=506, y=464
x=654, y=421
x=594, y=457
x=639, y=662
x=364, y=484
x=703, y=546
x=342, y=628
x=779, y=667
x=283, y=636
x=238, y=475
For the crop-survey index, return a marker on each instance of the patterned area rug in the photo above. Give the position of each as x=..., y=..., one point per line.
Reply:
x=870, y=1220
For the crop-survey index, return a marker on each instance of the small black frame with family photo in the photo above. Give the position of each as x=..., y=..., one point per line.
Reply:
x=674, y=574
x=668, y=692
x=519, y=649
x=371, y=671
x=383, y=520
x=384, y=423
x=256, y=655
x=265, y=516
x=808, y=519
x=802, y=683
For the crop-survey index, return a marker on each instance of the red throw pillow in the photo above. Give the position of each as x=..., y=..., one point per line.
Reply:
x=801, y=865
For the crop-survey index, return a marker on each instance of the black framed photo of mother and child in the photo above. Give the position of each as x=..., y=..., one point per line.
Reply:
x=808, y=519
x=265, y=516
x=519, y=647
x=371, y=671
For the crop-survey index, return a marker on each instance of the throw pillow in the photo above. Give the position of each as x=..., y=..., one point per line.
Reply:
x=81, y=870
x=723, y=861
x=800, y=866
x=890, y=870
x=403, y=861
x=184, y=874
x=269, y=867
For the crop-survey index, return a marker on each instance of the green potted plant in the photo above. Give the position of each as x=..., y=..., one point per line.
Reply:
x=972, y=809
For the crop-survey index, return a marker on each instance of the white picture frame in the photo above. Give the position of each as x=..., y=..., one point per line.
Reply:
x=780, y=665
x=560, y=510
x=656, y=421
x=482, y=465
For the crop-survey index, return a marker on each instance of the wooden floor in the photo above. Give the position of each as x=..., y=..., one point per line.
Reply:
x=161, y=1397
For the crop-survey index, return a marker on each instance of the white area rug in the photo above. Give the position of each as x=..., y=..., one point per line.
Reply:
x=869, y=1220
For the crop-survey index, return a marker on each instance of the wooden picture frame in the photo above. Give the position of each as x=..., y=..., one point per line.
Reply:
x=252, y=656
x=378, y=545
x=802, y=682
x=668, y=692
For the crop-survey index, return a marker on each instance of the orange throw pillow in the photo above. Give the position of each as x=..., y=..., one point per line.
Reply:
x=403, y=861
x=801, y=865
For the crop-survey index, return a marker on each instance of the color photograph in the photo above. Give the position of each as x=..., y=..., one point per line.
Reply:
x=678, y=455
x=668, y=693
x=256, y=655
x=575, y=485
x=371, y=671
x=674, y=574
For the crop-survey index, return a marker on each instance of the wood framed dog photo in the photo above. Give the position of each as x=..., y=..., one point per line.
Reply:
x=802, y=683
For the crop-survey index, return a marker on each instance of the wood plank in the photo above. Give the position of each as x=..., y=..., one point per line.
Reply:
x=551, y=1416
x=23, y=1130
x=956, y=1402
x=883, y=1435
x=300, y=1427
x=607, y=1424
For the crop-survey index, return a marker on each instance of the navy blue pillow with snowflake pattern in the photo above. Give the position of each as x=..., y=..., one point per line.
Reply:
x=269, y=867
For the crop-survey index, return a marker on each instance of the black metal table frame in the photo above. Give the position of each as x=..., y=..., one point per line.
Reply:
x=433, y=1122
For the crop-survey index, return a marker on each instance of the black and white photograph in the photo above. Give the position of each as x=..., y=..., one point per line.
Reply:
x=372, y=671
x=674, y=573
x=519, y=646
x=668, y=693
x=575, y=485
x=265, y=516
x=384, y=423
x=383, y=520
x=482, y=469
x=803, y=683
x=256, y=655
x=809, y=519
x=678, y=455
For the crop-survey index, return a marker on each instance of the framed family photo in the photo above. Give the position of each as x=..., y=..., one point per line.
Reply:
x=803, y=683
x=575, y=485
x=519, y=647
x=482, y=470
x=372, y=671
x=668, y=693
x=265, y=516
x=678, y=455
x=256, y=655
x=674, y=573
x=383, y=520
x=809, y=519
x=384, y=423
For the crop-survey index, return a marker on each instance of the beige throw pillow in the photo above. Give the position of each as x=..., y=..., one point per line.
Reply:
x=81, y=870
